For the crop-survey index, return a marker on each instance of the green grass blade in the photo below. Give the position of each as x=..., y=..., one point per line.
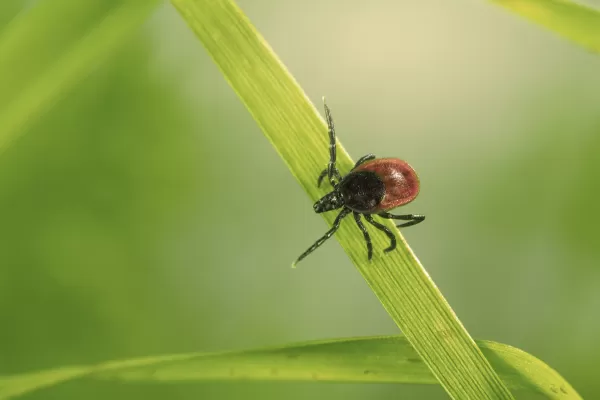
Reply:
x=573, y=21
x=388, y=359
x=31, y=83
x=298, y=133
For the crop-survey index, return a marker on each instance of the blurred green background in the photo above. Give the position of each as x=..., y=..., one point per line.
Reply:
x=144, y=213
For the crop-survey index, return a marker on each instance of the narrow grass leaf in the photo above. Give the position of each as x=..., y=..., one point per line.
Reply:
x=576, y=22
x=298, y=133
x=386, y=359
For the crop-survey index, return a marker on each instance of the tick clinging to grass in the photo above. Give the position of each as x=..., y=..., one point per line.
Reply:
x=373, y=187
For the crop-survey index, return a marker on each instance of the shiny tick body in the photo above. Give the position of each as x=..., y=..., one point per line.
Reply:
x=374, y=186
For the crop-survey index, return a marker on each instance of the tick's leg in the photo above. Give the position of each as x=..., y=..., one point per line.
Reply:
x=321, y=177
x=336, y=225
x=364, y=159
x=332, y=155
x=324, y=174
x=383, y=228
x=365, y=234
x=412, y=219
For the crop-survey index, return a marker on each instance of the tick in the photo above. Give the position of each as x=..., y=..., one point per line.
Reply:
x=373, y=187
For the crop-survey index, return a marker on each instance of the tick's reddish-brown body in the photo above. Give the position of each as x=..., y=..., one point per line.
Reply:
x=399, y=178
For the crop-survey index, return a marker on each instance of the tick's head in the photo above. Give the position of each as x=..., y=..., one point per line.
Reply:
x=330, y=201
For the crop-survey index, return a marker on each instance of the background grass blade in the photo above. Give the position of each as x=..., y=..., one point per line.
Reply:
x=31, y=83
x=573, y=21
x=298, y=133
x=388, y=359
